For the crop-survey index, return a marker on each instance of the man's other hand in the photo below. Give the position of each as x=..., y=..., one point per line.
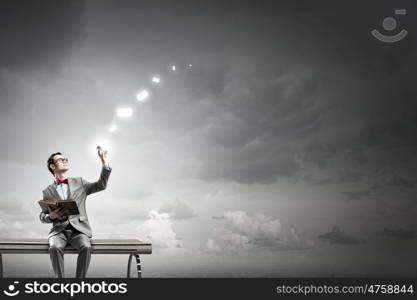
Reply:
x=56, y=213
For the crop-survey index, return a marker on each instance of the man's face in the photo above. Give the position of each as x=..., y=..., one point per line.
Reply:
x=61, y=163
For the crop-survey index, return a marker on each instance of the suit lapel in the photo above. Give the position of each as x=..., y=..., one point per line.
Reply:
x=54, y=193
x=71, y=187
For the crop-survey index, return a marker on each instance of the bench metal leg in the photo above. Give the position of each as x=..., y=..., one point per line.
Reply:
x=137, y=265
x=1, y=266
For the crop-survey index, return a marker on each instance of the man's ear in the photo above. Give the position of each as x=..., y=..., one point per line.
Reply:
x=52, y=166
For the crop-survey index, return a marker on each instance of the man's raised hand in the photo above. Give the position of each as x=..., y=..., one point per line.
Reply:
x=103, y=155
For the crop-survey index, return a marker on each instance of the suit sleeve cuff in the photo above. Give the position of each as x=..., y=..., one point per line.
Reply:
x=107, y=166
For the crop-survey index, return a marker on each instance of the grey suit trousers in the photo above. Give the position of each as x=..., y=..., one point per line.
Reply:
x=78, y=241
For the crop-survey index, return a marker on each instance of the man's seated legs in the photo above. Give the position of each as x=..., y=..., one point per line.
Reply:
x=82, y=243
x=57, y=245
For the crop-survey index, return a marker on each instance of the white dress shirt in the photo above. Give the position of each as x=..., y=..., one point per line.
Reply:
x=62, y=190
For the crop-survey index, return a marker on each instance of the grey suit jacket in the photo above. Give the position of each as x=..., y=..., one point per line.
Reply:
x=79, y=189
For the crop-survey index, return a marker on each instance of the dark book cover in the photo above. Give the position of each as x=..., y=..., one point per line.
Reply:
x=70, y=206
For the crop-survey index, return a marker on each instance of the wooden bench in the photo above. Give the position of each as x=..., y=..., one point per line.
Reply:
x=98, y=246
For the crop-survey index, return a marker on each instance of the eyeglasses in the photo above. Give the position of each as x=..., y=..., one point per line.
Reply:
x=61, y=160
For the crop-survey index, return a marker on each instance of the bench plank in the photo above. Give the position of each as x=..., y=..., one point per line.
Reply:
x=132, y=247
x=99, y=246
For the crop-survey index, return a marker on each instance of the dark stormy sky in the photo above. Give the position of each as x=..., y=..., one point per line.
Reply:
x=286, y=149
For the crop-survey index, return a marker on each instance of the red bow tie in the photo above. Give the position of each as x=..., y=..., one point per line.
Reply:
x=59, y=181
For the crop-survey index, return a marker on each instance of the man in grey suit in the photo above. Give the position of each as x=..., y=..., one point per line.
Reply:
x=75, y=229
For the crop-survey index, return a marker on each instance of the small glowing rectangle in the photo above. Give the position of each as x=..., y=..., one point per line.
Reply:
x=401, y=11
x=156, y=79
x=124, y=112
x=174, y=68
x=142, y=95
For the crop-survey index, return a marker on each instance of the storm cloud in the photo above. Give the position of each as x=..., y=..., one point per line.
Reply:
x=337, y=236
x=399, y=233
x=39, y=35
x=243, y=231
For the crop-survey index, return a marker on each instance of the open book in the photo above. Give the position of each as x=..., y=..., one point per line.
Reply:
x=69, y=205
